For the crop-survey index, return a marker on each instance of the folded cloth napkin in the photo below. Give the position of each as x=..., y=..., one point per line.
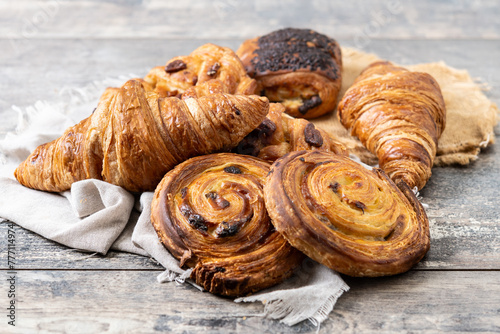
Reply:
x=96, y=216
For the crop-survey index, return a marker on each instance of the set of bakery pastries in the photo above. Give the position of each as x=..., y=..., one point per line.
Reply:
x=245, y=186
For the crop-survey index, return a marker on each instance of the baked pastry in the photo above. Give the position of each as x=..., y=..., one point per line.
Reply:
x=134, y=137
x=209, y=213
x=300, y=68
x=399, y=116
x=207, y=62
x=280, y=134
x=339, y=213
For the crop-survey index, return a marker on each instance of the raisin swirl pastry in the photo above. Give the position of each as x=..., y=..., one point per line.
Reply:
x=280, y=134
x=209, y=213
x=399, y=116
x=134, y=137
x=300, y=68
x=190, y=74
x=349, y=218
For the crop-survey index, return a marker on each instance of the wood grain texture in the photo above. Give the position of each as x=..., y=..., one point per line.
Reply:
x=230, y=18
x=36, y=252
x=132, y=301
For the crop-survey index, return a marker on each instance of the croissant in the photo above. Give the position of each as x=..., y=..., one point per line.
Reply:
x=399, y=116
x=300, y=68
x=207, y=62
x=345, y=216
x=209, y=213
x=134, y=137
x=280, y=134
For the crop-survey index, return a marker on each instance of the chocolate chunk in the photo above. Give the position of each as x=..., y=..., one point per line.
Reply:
x=222, y=203
x=226, y=230
x=309, y=104
x=267, y=127
x=212, y=195
x=257, y=139
x=360, y=205
x=194, y=219
x=198, y=222
x=175, y=66
x=213, y=69
x=312, y=136
x=335, y=187
x=232, y=170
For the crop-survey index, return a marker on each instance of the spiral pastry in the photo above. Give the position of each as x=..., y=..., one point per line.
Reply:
x=209, y=212
x=351, y=219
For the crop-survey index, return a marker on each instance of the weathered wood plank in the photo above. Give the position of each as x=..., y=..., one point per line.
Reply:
x=35, y=252
x=230, y=18
x=132, y=301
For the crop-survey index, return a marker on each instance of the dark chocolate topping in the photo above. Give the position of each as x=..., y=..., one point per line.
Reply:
x=175, y=66
x=309, y=104
x=296, y=49
x=312, y=136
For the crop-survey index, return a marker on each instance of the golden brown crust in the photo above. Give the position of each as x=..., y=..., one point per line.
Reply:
x=209, y=213
x=280, y=134
x=134, y=137
x=206, y=63
x=349, y=218
x=299, y=68
x=399, y=116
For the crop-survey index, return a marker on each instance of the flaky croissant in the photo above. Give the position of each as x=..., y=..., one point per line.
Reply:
x=209, y=213
x=206, y=63
x=345, y=216
x=300, y=68
x=280, y=134
x=134, y=137
x=399, y=116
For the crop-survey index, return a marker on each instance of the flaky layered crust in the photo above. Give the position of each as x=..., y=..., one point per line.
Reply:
x=135, y=136
x=399, y=116
x=209, y=213
x=280, y=134
x=351, y=219
x=299, y=68
x=189, y=74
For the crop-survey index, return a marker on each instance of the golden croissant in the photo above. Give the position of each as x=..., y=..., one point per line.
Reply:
x=399, y=116
x=134, y=137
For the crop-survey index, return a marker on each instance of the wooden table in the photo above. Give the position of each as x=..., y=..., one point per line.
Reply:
x=50, y=44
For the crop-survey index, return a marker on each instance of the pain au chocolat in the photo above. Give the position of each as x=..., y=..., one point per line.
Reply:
x=209, y=213
x=345, y=216
x=300, y=68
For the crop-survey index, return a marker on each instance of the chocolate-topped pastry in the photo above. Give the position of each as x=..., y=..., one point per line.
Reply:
x=300, y=68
